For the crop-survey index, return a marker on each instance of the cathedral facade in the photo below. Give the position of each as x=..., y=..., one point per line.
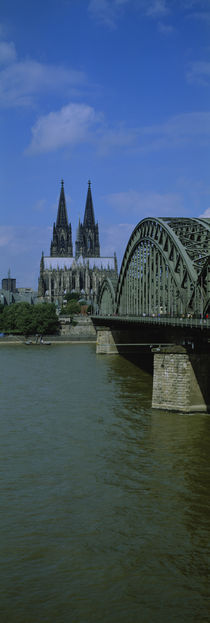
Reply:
x=62, y=271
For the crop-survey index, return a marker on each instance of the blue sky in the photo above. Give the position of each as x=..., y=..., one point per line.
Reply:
x=115, y=91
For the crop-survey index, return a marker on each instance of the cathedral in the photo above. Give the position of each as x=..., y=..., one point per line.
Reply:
x=64, y=272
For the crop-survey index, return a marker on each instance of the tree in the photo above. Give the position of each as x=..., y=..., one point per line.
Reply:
x=71, y=308
x=46, y=318
x=1, y=316
x=72, y=296
x=27, y=319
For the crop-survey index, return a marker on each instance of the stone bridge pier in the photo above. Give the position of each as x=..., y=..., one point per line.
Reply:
x=181, y=377
x=105, y=343
x=181, y=380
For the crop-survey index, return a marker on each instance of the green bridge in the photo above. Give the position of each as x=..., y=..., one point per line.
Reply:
x=160, y=304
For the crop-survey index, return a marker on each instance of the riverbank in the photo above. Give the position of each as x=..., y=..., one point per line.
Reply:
x=81, y=331
x=81, y=328
x=12, y=340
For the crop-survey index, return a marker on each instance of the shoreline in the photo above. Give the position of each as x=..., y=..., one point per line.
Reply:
x=19, y=342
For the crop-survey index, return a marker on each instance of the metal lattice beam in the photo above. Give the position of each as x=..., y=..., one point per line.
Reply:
x=106, y=299
x=165, y=269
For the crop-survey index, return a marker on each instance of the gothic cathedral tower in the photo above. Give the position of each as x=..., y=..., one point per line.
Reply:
x=87, y=242
x=63, y=273
x=61, y=245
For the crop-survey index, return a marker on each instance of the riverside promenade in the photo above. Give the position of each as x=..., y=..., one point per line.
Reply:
x=18, y=340
x=81, y=330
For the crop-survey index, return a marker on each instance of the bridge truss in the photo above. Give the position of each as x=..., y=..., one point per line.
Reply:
x=165, y=270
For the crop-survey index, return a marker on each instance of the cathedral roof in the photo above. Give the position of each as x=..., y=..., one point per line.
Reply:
x=62, y=218
x=102, y=263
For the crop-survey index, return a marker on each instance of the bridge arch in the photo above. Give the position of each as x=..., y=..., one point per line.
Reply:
x=106, y=297
x=165, y=268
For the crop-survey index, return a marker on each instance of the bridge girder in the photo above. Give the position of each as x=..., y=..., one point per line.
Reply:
x=106, y=298
x=165, y=269
x=160, y=273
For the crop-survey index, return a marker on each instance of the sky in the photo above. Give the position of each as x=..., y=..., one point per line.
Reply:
x=115, y=91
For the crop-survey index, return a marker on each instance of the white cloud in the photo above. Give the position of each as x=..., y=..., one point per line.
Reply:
x=112, y=138
x=138, y=206
x=106, y=11
x=7, y=52
x=6, y=236
x=199, y=73
x=165, y=29
x=205, y=214
x=178, y=130
x=21, y=252
x=156, y=8
x=3, y=31
x=146, y=204
x=20, y=81
x=21, y=238
x=78, y=123
x=103, y=12
x=40, y=205
x=115, y=238
x=201, y=14
x=69, y=126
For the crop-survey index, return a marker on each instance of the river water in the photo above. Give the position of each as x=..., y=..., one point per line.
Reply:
x=105, y=514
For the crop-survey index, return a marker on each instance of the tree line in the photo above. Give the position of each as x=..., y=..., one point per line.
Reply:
x=26, y=319
x=74, y=304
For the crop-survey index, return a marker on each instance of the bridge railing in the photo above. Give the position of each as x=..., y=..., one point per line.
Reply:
x=199, y=323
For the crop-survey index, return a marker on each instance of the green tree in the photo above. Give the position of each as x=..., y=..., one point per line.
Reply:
x=46, y=318
x=9, y=319
x=1, y=316
x=72, y=296
x=27, y=319
x=71, y=308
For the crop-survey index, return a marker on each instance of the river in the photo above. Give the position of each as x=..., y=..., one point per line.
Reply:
x=105, y=514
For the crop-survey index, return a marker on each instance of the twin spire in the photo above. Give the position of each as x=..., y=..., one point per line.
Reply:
x=62, y=218
x=87, y=241
x=89, y=219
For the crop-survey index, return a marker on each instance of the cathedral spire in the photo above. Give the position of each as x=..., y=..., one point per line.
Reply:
x=61, y=244
x=89, y=219
x=62, y=219
x=88, y=232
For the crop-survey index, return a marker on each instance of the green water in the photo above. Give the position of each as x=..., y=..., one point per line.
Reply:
x=105, y=514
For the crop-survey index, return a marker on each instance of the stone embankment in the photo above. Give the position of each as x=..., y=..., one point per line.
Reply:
x=80, y=329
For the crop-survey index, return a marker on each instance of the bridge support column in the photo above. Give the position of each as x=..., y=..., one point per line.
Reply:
x=181, y=380
x=105, y=343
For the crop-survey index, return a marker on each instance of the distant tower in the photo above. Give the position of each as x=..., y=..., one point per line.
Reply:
x=9, y=284
x=61, y=245
x=87, y=242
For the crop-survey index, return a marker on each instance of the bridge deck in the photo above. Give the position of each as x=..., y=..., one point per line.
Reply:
x=195, y=323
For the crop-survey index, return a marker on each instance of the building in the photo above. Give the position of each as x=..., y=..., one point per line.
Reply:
x=62, y=272
x=9, y=284
x=10, y=294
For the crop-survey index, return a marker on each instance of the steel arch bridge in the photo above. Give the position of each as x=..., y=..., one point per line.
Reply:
x=165, y=270
x=106, y=298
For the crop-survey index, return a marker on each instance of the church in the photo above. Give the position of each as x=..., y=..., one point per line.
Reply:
x=62, y=271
